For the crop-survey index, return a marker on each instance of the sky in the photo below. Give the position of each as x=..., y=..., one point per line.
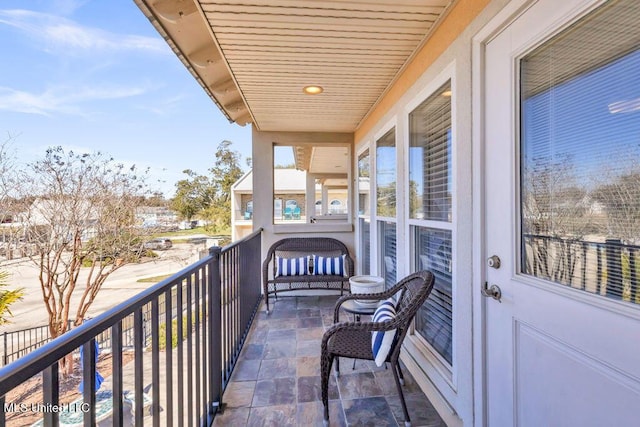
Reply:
x=94, y=75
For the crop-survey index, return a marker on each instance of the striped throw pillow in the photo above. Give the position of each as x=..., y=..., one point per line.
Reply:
x=330, y=266
x=292, y=266
x=381, y=340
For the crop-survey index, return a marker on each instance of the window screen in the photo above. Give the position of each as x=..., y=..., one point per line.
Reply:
x=580, y=155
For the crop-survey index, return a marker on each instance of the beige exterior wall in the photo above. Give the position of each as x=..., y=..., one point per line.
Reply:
x=447, y=55
x=263, y=189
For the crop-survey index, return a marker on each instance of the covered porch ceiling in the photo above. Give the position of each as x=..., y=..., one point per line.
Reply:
x=253, y=58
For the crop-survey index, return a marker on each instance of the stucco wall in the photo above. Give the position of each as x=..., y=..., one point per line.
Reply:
x=263, y=188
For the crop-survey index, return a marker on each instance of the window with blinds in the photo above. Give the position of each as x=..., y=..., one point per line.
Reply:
x=429, y=154
x=365, y=245
x=580, y=155
x=386, y=175
x=434, y=320
x=387, y=239
x=430, y=196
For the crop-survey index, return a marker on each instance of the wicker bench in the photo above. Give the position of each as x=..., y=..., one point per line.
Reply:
x=303, y=247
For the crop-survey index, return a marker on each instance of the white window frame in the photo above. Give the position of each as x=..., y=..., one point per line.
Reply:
x=377, y=257
x=449, y=372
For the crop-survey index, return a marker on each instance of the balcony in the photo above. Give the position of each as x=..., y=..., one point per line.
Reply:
x=229, y=363
x=277, y=379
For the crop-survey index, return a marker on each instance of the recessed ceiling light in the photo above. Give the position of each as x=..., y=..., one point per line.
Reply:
x=312, y=89
x=446, y=93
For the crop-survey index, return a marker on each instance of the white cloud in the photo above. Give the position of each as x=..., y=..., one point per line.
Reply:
x=165, y=106
x=64, y=34
x=66, y=100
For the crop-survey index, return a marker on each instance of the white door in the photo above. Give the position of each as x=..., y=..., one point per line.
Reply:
x=562, y=348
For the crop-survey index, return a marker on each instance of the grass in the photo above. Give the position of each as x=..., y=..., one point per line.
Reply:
x=197, y=230
x=154, y=279
x=162, y=336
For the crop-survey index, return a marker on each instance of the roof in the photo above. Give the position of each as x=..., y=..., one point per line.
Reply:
x=284, y=180
x=254, y=58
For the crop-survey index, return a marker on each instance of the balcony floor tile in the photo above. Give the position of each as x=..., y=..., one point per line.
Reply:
x=277, y=379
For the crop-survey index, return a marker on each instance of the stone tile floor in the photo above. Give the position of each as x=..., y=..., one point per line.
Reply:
x=277, y=379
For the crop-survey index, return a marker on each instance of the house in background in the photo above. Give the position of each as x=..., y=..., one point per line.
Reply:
x=157, y=217
x=473, y=124
x=328, y=200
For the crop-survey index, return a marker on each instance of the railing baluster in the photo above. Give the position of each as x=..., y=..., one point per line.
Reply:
x=138, y=373
x=3, y=414
x=599, y=269
x=5, y=358
x=116, y=374
x=50, y=393
x=189, y=352
x=168, y=356
x=633, y=275
x=89, y=381
x=180, y=311
x=155, y=363
x=215, y=331
x=203, y=307
x=197, y=340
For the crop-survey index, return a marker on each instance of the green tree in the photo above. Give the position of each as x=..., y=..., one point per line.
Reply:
x=194, y=194
x=7, y=298
x=226, y=171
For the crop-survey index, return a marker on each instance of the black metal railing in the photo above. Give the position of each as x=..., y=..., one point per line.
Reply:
x=199, y=320
x=16, y=344
x=608, y=268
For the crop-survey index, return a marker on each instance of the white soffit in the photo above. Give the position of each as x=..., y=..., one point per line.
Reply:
x=270, y=50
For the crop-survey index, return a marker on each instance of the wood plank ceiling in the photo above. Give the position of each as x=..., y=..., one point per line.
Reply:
x=255, y=57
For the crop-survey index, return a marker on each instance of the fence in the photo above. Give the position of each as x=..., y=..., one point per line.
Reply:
x=207, y=311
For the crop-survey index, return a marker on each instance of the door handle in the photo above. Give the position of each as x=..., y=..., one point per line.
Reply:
x=492, y=292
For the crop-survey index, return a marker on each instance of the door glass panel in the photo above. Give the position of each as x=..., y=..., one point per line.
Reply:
x=580, y=155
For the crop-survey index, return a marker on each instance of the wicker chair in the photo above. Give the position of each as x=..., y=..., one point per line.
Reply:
x=353, y=339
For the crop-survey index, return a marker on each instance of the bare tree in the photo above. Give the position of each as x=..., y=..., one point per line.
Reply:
x=556, y=215
x=83, y=227
x=620, y=197
x=10, y=201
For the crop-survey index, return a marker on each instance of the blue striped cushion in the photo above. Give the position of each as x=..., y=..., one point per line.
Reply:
x=292, y=266
x=333, y=266
x=381, y=340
